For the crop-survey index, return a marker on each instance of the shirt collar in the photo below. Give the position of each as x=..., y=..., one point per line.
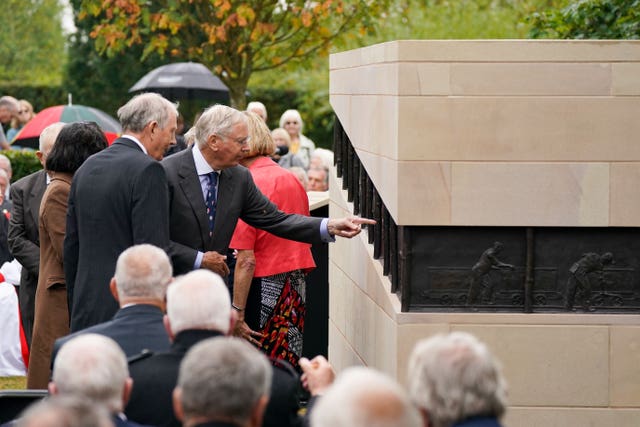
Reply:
x=134, y=139
x=202, y=167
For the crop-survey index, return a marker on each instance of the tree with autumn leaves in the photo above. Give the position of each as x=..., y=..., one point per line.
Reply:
x=234, y=38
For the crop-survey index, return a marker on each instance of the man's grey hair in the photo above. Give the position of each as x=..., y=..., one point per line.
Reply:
x=143, y=271
x=454, y=377
x=92, y=366
x=218, y=120
x=11, y=103
x=199, y=300
x=363, y=397
x=223, y=378
x=65, y=411
x=145, y=108
x=48, y=137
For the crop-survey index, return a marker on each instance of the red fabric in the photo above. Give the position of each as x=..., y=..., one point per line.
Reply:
x=275, y=255
x=24, y=347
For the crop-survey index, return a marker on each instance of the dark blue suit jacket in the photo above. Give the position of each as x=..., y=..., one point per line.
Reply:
x=135, y=328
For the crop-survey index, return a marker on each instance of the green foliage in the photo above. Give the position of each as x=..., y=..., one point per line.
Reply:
x=31, y=42
x=23, y=163
x=589, y=19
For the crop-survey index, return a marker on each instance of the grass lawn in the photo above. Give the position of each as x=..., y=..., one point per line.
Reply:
x=13, y=383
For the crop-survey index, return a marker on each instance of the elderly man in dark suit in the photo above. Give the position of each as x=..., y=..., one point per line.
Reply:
x=208, y=193
x=118, y=199
x=198, y=308
x=93, y=367
x=143, y=273
x=223, y=382
x=23, y=236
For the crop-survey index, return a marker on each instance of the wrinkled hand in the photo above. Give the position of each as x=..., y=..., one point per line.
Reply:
x=347, y=227
x=215, y=262
x=318, y=374
x=242, y=330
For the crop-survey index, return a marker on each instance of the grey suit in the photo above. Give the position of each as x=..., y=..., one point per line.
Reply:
x=118, y=199
x=24, y=243
x=238, y=197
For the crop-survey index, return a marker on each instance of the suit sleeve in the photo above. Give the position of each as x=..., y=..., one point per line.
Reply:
x=71, y=246
x=24, y=250
x=150, y=209
x=259, y=212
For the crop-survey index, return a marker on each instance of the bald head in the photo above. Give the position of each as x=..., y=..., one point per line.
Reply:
x=47, y=139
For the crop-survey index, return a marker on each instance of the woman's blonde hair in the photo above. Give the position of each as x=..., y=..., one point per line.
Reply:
x=260, y=141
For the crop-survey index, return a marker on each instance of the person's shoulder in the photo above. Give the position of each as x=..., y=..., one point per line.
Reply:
x=28, y=180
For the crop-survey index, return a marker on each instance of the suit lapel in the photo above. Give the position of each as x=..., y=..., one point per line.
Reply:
x=35, y=197
x=225, y=197
x=190, y=186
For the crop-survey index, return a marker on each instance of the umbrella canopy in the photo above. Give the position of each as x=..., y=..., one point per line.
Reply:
x=183, y=80
x=30, y=133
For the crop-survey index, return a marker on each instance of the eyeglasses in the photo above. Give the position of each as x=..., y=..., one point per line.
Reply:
x=241, y=141
x=290, y=123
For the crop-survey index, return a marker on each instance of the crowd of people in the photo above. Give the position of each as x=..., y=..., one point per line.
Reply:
x=170, y=290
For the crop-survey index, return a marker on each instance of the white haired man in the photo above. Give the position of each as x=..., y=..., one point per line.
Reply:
x=223, y=382
x=363, y=397
x=94, y=367
x=142, y=275
x=456, y=382
x=23, y=236
x=118, y=198
x=209, y=192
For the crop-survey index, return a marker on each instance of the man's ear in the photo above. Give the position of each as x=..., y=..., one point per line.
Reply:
x=53, y=390
x=257, y=413
x=114, y=289
x=126, y=391
x=177, y=404
x=167, y=326
x=233, y=318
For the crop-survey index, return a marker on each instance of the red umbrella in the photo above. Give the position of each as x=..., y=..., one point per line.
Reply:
x=28, y=136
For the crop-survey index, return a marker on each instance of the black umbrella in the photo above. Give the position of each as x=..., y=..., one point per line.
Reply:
x=183, y=80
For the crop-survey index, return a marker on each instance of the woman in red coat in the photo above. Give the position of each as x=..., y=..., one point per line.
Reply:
x=275, y=266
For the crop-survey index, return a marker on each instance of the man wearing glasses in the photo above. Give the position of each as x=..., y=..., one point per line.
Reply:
x=208, y=192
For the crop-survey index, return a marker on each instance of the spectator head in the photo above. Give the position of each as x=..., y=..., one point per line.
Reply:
x=362, y=397
x=222, y=136
x=64, y=411
x=198, y=300
x=281, y=137
x=318, y=179
x=9, y=107
x=25, y=113
x=47, y=138
x=5, y=164
x=258, y=108
x=292, y=123
x=142, y=275
x=223, y=379
x=260, y=141
x=94, y=367
x=453, y=377
x=4, y=182
x=321, y=158
x=74, y=144
x=301, y=174
x=153, y=120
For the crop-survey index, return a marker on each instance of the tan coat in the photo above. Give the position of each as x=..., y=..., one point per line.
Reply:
x=51, y=313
